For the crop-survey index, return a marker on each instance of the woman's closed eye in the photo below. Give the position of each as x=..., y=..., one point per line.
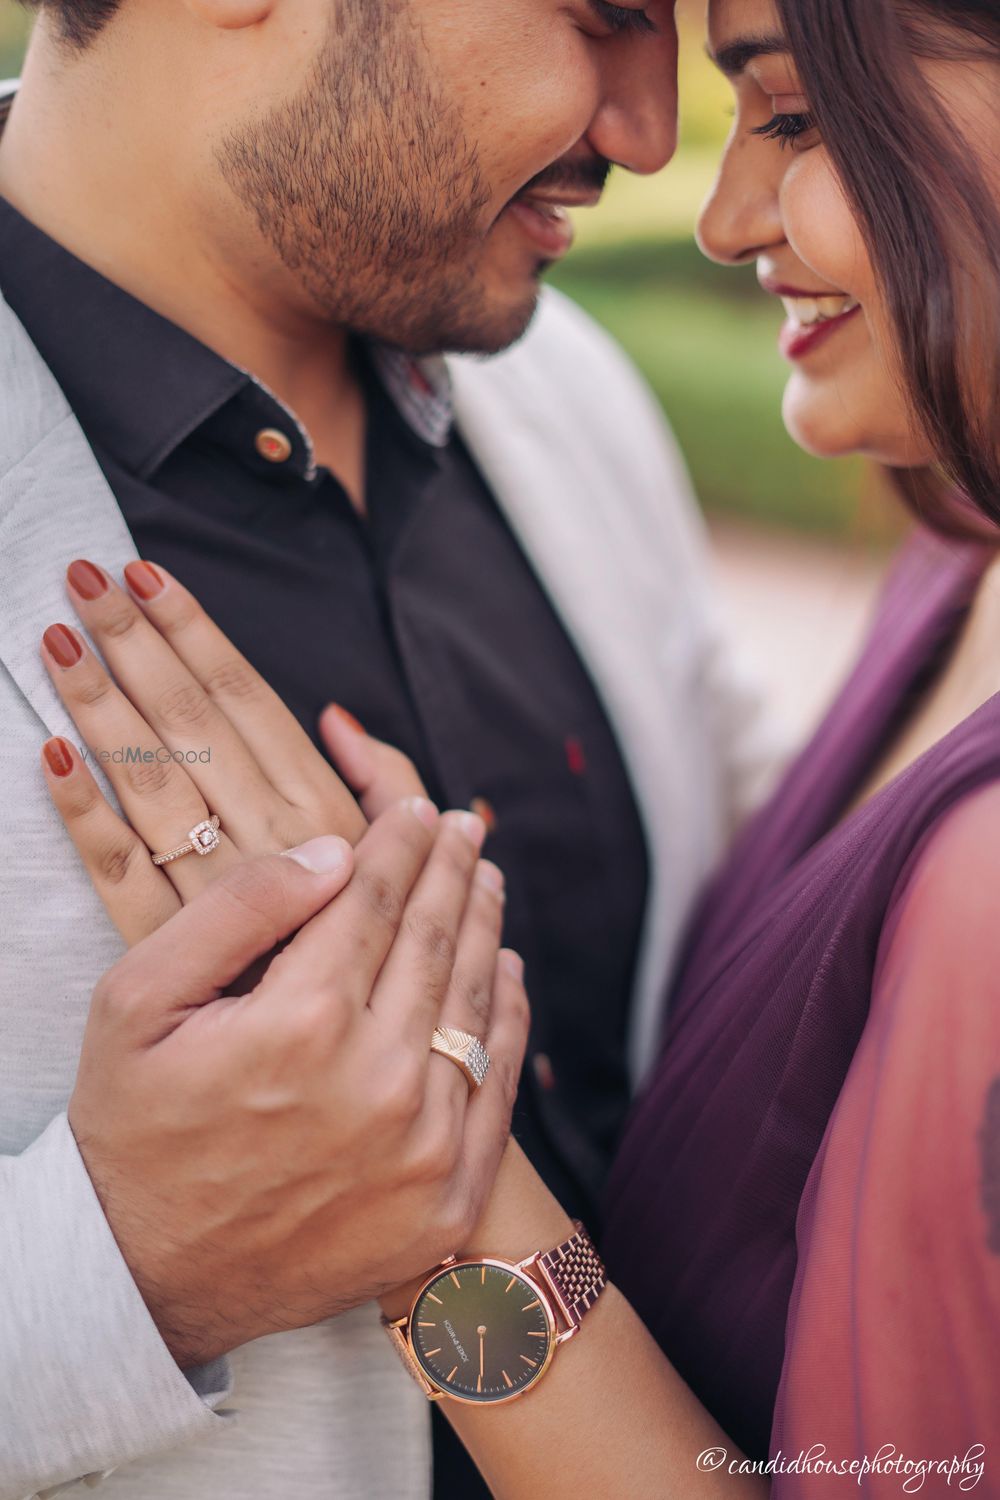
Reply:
x=786, y=129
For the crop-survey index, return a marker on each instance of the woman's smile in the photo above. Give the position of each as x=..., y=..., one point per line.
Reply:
x=813, y=317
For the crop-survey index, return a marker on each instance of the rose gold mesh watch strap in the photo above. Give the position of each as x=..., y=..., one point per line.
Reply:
x=576, y=1274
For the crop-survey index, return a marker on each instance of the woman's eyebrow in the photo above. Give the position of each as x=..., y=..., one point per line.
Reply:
x=732, y=58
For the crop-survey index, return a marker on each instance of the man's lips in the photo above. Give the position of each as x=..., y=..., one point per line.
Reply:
x=545, y=218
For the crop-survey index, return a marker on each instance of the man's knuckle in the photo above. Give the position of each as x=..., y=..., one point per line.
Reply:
x=432, y=934
x=402, y=1092
x=254, y=890
x=472, y=992
x=381, y=897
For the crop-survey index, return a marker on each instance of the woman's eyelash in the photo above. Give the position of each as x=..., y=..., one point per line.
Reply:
x=785, y=128
x=622, y=18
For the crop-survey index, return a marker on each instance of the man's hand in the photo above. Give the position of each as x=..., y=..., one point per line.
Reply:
x=267, y=1160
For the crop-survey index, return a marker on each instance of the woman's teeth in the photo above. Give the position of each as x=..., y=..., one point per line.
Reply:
x=806, y=312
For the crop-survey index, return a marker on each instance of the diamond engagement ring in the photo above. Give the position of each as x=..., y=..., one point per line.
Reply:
x=202, y=839
x=465, y=1051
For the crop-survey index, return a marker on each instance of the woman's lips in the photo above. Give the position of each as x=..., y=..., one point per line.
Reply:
x=797, y=340
x=813, y=317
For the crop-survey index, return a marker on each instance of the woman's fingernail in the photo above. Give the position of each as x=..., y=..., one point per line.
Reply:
x=513, y=963
x=143, y=579
x=62, y=645
x=89, y=582
x=490, y=876
x=320, y=856
x=59, y=756
x=349, y=719
x=422, y=809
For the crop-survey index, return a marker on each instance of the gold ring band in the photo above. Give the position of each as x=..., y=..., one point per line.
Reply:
x=465, y=1051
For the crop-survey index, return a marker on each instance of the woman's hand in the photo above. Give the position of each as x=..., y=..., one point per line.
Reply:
x=184, y=727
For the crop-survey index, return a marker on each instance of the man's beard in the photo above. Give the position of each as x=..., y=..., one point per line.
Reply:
x=367, y=187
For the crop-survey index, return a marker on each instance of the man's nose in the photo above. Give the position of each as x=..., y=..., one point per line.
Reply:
x=636, y=124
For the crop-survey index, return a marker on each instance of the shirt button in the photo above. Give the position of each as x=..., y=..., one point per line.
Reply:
x=273, y=445
x=486, y=811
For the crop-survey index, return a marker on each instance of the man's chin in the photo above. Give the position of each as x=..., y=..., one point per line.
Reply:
x=493, y=325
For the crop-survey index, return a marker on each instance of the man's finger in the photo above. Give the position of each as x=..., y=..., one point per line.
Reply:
x=193, y=958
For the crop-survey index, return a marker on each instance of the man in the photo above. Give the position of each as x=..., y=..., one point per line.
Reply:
x=232, y=235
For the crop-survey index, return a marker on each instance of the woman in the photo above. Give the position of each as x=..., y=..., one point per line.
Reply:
x=806, y=1209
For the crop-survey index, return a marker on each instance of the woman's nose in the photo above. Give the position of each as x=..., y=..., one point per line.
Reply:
x=741, y=217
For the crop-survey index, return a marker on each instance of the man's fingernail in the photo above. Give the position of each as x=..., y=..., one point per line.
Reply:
x=143, y=579
x=490, y=876
x=89, y=582
x=422, y=809
x=62, y=645
x=59, y=756
x=320, y=856
x=348, y=719
x=513, y=963
x=471, y=826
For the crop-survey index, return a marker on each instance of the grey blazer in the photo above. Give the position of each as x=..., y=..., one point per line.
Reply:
x=579, y=457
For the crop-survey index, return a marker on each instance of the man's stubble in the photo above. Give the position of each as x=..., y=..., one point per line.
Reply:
x=367, y=187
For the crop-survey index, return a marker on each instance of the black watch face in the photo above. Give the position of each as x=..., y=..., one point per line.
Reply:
x=482, y=1333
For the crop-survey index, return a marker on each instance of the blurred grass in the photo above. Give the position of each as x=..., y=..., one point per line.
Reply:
x=704, y=337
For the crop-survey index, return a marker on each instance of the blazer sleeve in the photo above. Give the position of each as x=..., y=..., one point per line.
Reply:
x=86, y=1382
x=894, y=1326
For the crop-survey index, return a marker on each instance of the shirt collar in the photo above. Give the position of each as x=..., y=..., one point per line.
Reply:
x=140, y=385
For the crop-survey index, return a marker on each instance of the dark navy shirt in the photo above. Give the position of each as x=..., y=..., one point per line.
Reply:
x=424, y=619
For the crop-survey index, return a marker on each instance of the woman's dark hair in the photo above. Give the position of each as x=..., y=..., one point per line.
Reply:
x=931, y=225
x=79, y=21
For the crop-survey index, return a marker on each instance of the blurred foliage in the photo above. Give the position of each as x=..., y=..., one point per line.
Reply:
x=706, y=338
x=14, y=27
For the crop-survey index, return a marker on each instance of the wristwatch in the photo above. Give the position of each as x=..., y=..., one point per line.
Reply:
x=485, y=1331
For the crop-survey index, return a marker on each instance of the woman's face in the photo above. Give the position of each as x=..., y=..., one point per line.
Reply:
x=778, y=201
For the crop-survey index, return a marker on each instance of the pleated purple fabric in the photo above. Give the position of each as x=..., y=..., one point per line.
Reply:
x=768, y=1015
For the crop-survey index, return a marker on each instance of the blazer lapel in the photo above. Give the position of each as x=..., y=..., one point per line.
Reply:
x=563, y=498
x=55, y=504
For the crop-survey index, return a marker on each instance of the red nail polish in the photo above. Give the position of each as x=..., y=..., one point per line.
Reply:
x=62, y=645
x=59, y=756
x=143, y=579
x=88, y=581
x=349, y=719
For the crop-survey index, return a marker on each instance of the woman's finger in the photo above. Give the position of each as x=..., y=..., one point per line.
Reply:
x=137, y=896
x=378, y=773
x=156, y=794
x=272, y=735
x=181, y=714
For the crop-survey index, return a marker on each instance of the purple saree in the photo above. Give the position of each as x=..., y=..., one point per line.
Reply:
x=801, y=1210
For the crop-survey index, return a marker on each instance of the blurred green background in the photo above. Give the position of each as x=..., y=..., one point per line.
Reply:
x=705, y=337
